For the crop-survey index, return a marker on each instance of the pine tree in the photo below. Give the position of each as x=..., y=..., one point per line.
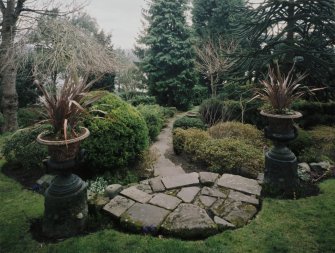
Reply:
x=168, y=60
x=288, y=31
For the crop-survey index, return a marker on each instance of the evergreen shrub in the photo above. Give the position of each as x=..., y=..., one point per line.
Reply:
x=28, y=116
x=188, y=122
x=118, y=134
x=154, y=118
x=212, y=111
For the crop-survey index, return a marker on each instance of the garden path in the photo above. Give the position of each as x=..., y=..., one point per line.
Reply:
x=163, y=146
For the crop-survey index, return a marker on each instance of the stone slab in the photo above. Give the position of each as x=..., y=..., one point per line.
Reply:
x=156, y=184
x=239, y=183
x=182, y=180
x=45, y=181
x=242, y=215
x=187, y=194
x=112, y=190
x=238, y=196
x=165, y=201
x=136, y=194
x=189, y=221
x=223, y=224
x=214, y=192
x=208, y=178
x=206, y=200
x=118, y=205
x=142, y=217
x=223, y=207
x=144, y=187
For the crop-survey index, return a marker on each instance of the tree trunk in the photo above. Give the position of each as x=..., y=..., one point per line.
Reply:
x=9, y=100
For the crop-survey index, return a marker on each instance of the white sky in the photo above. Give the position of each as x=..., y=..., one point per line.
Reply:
x=122, y=18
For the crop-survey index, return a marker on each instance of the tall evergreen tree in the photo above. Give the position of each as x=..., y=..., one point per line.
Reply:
x=168, y=60
x=287, y=31
x=216, y=18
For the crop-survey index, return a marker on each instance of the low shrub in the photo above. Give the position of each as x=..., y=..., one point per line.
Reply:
x=200, y=93
x=154, y=118
x=226, y=155
x=28, y=116
x=237, y=130
x=118, y=135
x=142, y=100
x=22, y=148
x=301, y=143
x=323, y=139
x=212, y=111
x=169, y=112
x=188, y=122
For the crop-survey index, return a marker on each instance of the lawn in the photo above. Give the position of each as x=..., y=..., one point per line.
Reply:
x=304, y=225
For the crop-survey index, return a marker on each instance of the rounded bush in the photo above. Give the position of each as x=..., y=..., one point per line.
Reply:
x=187, y=122
x=23, y=149
x=28, y=116
x=182, y=137
x=212, y=111
x=118, y=134
x=237, y=130
x=154, y=118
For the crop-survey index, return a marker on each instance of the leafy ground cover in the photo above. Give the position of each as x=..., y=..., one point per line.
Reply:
x=304, y=225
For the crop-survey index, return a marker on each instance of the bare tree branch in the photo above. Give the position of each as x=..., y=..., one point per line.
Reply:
x=19, y=8
x=2, y=6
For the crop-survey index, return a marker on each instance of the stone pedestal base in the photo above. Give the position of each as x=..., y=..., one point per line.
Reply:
x=280, y=174
x=66, y=208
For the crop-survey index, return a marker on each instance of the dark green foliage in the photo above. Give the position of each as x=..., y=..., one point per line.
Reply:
x=105, y=83
x=315, y=113
x=226, y=155
x=301, y=143
x=169, y=111
x=142, y=99
x=117, y=137
x=154, y=118
x=188, y=122
x=215, y=18
x=212, y=111
x=22, y=148
x=28, y=116
x=169, y=59
x=306, y=37
x=200, y=93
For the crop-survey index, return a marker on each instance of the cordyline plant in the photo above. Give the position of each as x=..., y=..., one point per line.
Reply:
x=281, y=90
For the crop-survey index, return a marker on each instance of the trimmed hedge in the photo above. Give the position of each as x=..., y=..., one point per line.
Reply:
x=226, y=155
x=118, y=136
x=154, y=118
x=188, y=122
x=22, y=148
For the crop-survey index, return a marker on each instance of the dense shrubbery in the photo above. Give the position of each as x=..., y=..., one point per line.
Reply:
x=154, y=118
x=142, y=100
x=23, y=149
x=28, y=116
x=200, y=93
x=231, y=155
x=188, y=122
x=315, y=113
x=118, y=138
x=212, y=111
x=232, y=129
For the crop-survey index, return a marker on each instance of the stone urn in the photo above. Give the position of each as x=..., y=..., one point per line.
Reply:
x=65, y=203
x=280, y=174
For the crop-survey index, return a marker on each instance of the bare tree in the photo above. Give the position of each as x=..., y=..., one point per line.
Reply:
x=213, y=61
x=11, y=12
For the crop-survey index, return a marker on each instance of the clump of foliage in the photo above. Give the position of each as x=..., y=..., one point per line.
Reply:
x=154, y=118
x=28, y=116
x=200, y=93
x=118, y=134
x=22, y=148
x=186, y=122
x=301, y=143
x=226, y=155
x=237, y=130
x=98, y=185
x=169, y=111
x=142, y=100
x=212, y=111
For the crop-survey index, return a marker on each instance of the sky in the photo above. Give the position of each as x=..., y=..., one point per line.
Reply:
x=122, y=18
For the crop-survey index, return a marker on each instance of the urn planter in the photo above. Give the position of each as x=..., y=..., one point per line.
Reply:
x=280, y=174
x=65, y=203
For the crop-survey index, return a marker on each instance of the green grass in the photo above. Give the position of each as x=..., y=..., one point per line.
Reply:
x=305, y=225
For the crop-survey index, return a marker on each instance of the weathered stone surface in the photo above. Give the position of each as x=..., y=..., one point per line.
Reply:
x=320, y=167
x=304, y=172
x=189, y=221
x=238, y=196
x=240, y=215
x=112, y=190
x=45, y=181
x=223, y=207
x=118, y=205
x=239, y=183
x=214, y=192
x=223, y=224
x=141, y=217
x=136, y=194
x=182, y=180
x=260, y=178
x=206, y=200
x=188, y=194
x=208, y=178
x=156, y=184
x=144, y=187
x=165, y=201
